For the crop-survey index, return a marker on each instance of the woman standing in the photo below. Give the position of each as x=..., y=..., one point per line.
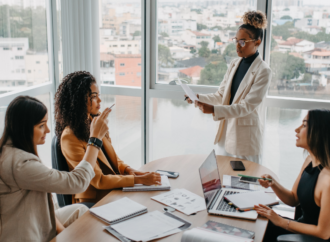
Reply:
x=238, y=103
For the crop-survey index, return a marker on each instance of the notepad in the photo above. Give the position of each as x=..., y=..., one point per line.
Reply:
x=118, y=211
x=139, y=187
x=245, y=201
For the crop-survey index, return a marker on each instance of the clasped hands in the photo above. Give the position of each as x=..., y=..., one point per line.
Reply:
x=145, y=178
x=205, y=108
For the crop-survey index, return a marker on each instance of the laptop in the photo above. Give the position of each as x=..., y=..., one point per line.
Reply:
x=214, y=193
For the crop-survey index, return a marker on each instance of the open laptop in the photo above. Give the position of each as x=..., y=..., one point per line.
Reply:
x=214, y=193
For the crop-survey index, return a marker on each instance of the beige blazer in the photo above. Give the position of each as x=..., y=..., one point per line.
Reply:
x=245, y=116
x=26, y=206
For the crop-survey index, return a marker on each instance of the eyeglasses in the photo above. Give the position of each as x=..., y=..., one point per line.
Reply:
x=241, y=41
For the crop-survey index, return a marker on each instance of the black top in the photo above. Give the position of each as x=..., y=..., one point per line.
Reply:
x=243, y=67
x=305, y=193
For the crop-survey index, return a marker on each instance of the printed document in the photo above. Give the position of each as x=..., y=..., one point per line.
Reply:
x=188, y=91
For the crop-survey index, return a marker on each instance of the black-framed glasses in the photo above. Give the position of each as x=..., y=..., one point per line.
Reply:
x=241, y=41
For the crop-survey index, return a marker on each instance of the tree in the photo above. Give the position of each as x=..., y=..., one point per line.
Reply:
x=216, y=38
x=286, y=17
x=216, y=27
x=273, y=43
x=283, y=30
x=309, y=16
x=231, y=28
x=204, y=51
x=201, y=27
x=164, y=34
x=307, y=78
x=230, y=51
x=213, y=72
x=197, y=10
x=285, y=66
x=136, y=33
x=320, y=36
x=164, y=56
x=192, y=51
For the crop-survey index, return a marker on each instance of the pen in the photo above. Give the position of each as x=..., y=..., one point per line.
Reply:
x=186, y=98
x=261, y=178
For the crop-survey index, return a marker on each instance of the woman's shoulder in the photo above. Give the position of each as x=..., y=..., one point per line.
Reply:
x=68, y=137
x=12, y=154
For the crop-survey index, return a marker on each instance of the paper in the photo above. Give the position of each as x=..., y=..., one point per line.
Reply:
x=147, y=226
x=188, y=91
x=140, y=187
x=233, y=182
x=201, y=235
x=182, y=200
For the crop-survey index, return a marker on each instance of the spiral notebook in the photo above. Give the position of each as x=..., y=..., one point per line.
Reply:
x=139, y=187
x=118, y=211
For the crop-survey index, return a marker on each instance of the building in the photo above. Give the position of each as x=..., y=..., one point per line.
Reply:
x=128, y=70
x=175, y=26
x=296, y=45
x=118, y=45
x=180, y=53
x=193, y=74
x=130, y=27
x=195, y=37
x=36, y=68
x=107, y=69
x=12, y=62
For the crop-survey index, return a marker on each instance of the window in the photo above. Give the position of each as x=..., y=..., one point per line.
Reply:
x=122, y=46
x=298, y=51
x=19, y=48
x=37, y=62
x=6, y=48
x=21, y=57
x=138, y=74
x=122, y=74
x=139, y=64
x=122, y=64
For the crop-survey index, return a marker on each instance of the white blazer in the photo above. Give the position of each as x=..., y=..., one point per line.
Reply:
x=245, y=116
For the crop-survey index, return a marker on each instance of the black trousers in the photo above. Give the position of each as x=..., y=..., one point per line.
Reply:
x=273, y=231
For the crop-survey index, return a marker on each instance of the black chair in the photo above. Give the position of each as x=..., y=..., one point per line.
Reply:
x=298, y=237
x=59, y=163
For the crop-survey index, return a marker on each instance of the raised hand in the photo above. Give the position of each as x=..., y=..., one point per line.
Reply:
x=99, y=126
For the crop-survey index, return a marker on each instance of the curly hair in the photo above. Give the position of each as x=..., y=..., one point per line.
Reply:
x=71, y=100
x=254, y=22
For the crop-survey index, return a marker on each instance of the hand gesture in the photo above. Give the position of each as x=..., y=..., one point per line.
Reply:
x=205, y=108
x=131, y=171
x=99, y=125
x=270, y=214
x=188, y=99
x=266, y=183
x=151, y=178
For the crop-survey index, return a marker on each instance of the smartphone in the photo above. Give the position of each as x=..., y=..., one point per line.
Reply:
x=169, y=174
x=249, y=180
x=112, y=105
x=237, y=165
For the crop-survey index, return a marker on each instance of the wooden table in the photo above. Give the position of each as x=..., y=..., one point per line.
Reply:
x=88, y=228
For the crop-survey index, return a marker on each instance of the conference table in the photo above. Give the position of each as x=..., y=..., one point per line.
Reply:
x=89, y=228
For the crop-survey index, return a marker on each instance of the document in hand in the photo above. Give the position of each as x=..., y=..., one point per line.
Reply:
x=148, y=226
x=139, y=187
x=118, y=211
x=188, y=91
x=245, y=201
x=202, y=235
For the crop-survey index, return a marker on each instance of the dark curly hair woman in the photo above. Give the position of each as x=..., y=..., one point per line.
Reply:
x=77, y=102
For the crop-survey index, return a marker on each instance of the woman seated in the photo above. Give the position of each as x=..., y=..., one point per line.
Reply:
x=312, y=187
x=26, y=206
x=77, y=101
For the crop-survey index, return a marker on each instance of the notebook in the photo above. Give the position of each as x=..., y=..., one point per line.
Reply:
x=139, y=187
x=118, y=211
x=245, y=201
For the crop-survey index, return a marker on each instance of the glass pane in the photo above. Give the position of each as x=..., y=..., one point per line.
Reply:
x=120, y=42
x=177, y=128
x=194, y=39
x=125, y=127
x=59, y=40
x=280, y=153
x=23, y=45
x=300, y=49
x=44, y=151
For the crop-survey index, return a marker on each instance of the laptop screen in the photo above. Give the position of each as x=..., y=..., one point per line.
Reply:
x=210, y=178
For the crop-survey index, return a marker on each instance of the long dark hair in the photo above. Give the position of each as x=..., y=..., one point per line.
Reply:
x=22, y=114
x=318, y=135
x=71, y=101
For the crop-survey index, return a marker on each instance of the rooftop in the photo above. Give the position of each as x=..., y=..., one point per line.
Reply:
x=194, y=71
x=321, y=53
x=128, y=56
x=291, y=41
x=197, y=33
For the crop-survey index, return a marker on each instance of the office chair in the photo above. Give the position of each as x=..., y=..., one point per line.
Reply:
x=59, y=163
x=298, y=237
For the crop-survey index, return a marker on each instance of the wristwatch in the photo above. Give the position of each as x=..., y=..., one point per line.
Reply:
x=95, y=142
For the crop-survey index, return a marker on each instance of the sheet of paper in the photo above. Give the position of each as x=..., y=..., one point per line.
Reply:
x=182, y=200
x=147, y=226
x=188, y=91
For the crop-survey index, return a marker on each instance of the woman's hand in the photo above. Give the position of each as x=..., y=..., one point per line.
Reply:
x=59, y=226
x=266, y=183
x=205, y=108
x=189, y=100
x=151, y=178
x=271, y=215
x=131, y=171
x=99, y=125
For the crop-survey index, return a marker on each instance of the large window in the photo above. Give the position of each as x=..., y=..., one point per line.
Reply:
x=195, y=39
x=300, y=49
x=23, y=45
x=120, y=43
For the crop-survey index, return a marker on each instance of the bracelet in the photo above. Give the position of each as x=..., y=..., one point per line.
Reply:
x=95, y=142
x=287, y=225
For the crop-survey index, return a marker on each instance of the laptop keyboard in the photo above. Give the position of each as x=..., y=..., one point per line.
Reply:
x=223, y=205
